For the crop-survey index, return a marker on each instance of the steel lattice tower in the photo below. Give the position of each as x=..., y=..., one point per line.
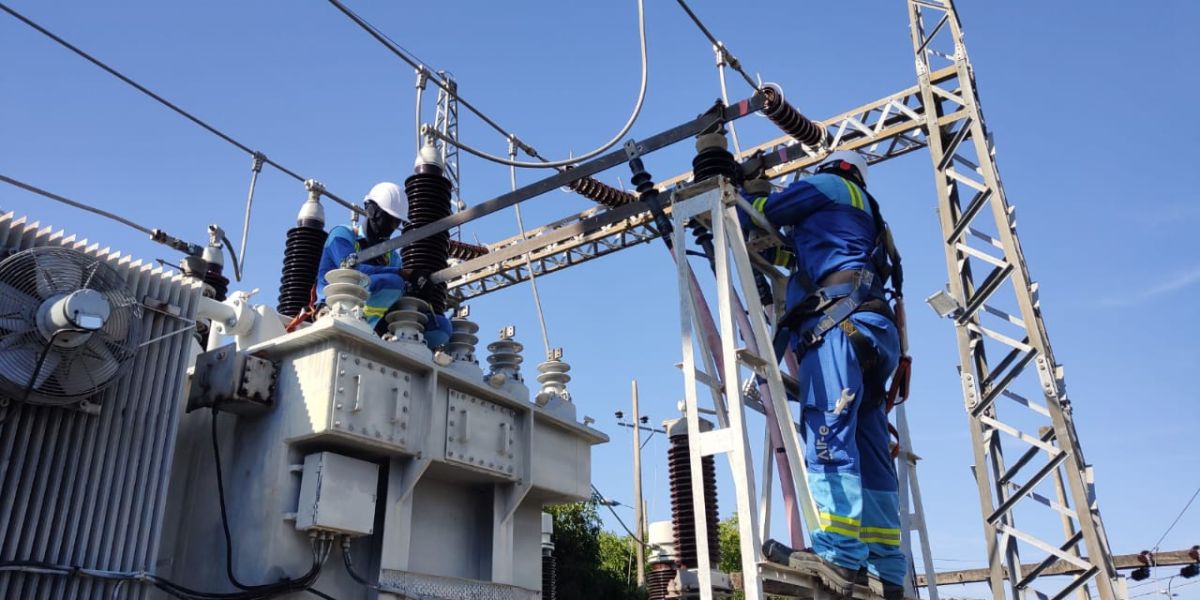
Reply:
x=446, y=122
x=1005, y=359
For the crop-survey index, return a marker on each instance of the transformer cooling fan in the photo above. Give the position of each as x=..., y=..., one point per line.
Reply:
x=68, y=326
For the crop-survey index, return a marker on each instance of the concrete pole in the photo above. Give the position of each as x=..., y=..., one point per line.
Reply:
x=639, y=515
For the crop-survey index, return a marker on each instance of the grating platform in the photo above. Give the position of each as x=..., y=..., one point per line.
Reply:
x=781, y=580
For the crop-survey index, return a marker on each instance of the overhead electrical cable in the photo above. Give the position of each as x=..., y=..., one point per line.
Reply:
x=545, y=164
x=167, y=103
x=80, y=205
x=405, y=55
x=1176, y=521
x=729, y=57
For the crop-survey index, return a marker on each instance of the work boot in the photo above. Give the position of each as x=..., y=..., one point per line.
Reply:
x=889, y=590
x=892, y=591
x=837, y=577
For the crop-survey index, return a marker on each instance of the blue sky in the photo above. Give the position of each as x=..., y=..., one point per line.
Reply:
x=1089, y=104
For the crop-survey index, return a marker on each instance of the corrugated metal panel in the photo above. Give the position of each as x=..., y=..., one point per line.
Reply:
x=85, y=489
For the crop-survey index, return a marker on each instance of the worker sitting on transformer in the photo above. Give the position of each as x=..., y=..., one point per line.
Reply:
x=386, y=208
x=844, y=335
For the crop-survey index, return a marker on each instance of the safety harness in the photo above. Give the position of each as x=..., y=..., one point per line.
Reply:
x=843, y=293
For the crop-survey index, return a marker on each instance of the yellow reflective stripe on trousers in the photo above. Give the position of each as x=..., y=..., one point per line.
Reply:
x=760, y=203
x=839, y=524
x=839, y=519
x=881, y=535
x=782, y=257
x=846, y=532
x=880, y=540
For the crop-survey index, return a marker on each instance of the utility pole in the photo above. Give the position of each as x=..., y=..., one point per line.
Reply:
x=639, y=514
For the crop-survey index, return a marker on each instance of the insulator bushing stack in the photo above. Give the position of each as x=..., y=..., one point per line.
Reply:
x=683, y=518
x=302, y=257
x=553, y=376
x=786, y=117
x=461, y=346
x=661, y=539
x=602, y=193
x=406, y=321
x=346, y=292
x=549, y=564
x=505, y=358
x=429, y=193
x=713, y=157
x=464, y=251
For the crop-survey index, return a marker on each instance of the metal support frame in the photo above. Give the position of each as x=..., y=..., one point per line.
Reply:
x=713, y=203
x=1013, y=387
x=1004, y=351
x=445, y=120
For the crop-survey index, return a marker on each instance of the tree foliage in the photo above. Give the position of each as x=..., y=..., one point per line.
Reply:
x=730, y=541
x=592, y=563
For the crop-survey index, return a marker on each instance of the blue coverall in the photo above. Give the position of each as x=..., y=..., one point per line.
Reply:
x=386, y=287
x=850, y=470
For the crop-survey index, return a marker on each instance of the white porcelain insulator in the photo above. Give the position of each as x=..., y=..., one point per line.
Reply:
x=406, y=321
x=346, y=292
x=463, y=340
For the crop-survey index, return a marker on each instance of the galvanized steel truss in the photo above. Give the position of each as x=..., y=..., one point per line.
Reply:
x=1004, y=351
x=1005, y=359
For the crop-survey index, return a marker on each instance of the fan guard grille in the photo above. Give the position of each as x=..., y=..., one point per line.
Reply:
x=27, y=280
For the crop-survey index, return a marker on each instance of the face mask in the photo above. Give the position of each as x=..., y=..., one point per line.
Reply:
x=380, y=225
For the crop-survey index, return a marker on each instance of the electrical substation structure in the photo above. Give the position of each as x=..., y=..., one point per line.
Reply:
x=1019, y=415
x=438, y=469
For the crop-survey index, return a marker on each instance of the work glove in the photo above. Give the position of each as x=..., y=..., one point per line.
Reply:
x=420, y=284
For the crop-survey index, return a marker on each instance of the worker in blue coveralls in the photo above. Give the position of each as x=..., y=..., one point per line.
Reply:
x=844, y=334
x=386, y=209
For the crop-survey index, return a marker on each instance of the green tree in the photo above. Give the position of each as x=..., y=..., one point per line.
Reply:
x=729, y=539
x=592, y=563
x=730, y=542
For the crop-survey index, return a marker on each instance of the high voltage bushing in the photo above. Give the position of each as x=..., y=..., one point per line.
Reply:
x=713, y=157
x=661, y=538
x=463, y=339
x=429, y=193
x=346, y=292
x=406, y=321
x=505, y=359
x=464, y=251
x=553, y=376
x=302, y=255
x=683, y=518
x=605, y=194
x=786, y=117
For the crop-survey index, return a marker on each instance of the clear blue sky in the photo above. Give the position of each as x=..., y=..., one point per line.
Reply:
x=1090, y=104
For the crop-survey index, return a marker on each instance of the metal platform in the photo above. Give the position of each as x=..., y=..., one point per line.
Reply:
x=781, y=580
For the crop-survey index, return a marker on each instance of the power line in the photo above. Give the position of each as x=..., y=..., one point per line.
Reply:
x=76, y=204
x=405, y=55
x=1158, y=592
x=167, y=103
x=729, y=57
x=544, y=164
x=1177, y=517
x=636, y=538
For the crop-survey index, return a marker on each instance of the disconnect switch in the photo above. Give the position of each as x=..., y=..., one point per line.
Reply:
x=337, y=494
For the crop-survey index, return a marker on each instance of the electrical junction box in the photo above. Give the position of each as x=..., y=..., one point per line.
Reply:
x=337, y=494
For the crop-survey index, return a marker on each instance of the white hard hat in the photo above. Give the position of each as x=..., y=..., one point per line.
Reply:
x=390, y=198
x=853, y=159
